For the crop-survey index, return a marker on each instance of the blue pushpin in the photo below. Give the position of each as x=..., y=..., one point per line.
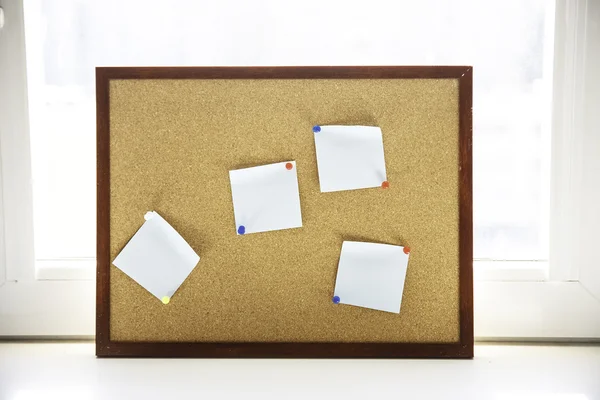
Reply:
x=242, y=229
x=316, y=129
x=336, y=299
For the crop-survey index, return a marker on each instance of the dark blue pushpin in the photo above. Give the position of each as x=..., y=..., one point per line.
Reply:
x=336, y=299
x=242, y=229
x=316, y=129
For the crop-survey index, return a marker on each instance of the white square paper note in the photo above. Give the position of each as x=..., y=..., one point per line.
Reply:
x=157, y=257
x=266, y=198
x=371, y=275
x=349, y=157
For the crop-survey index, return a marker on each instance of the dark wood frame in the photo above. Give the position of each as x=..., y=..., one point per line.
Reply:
x=462, y=349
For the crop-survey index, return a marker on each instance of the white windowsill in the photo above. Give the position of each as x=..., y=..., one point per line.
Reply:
x=510, y=271
x=77, y=269
x=65, y=371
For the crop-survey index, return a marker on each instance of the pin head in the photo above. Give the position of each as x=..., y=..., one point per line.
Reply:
x=385, y=184
x=242, y=229
x=165, y=299
x=406, y=249
x=289, y=165
x=316, y=129
x=336, y=299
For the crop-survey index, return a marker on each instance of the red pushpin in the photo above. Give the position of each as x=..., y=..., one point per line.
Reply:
x=406, y=250
x=289, y=165
x=385, y=184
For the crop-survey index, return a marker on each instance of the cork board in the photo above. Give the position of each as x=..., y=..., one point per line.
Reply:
x=167, y=138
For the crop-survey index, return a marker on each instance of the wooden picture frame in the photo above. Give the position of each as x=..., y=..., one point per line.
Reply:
x=105, y=347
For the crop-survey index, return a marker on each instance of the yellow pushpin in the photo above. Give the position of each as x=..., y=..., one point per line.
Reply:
x=166, y=299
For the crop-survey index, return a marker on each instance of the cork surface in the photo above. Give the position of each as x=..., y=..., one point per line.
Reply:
x=172, y=144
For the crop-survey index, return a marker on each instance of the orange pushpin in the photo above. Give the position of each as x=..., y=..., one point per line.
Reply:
x=406, y=250
x=289, y=165
x=385, y=184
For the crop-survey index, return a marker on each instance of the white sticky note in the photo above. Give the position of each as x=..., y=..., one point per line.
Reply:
x=349, y=157
x=371, y=275
x=266, y=198
x=157, y=257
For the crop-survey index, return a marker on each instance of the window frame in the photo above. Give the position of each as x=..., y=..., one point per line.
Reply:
x=28, y=306
x=558, y=299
